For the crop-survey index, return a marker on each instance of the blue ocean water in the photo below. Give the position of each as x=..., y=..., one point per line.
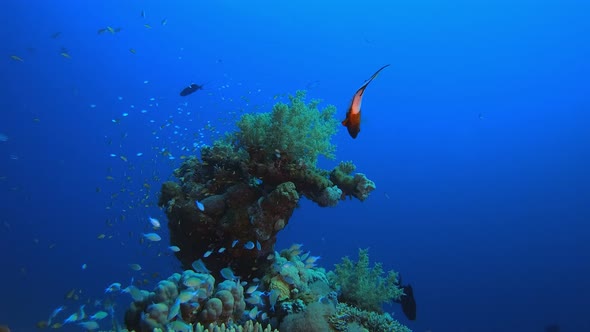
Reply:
x=476, y=137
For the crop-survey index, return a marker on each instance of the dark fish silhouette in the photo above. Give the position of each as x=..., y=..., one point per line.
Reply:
x=353, y=116
x=407, y=300
x=190, y=89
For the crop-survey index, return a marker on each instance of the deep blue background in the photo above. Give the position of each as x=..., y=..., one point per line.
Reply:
x=476, y=136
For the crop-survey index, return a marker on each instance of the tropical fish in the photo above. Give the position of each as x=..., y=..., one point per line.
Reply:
x=113, y=287
x=200, y=206
x=353, y=115
x=408, y=302
x=174, y=310
x=228, y=274
x=89, y=325
x=155, y=222
x=253, y=313
x=135, y=267
x=251, y=289
x=199, y=266
x=54, y=314
x=152, y=237
x=190, y=89
x=98, y=316
x=17, y=58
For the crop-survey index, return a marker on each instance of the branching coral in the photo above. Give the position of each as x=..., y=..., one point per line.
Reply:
x=299, y=130
x=365, y=287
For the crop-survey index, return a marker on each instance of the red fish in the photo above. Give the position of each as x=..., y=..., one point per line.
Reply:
x=353, y=116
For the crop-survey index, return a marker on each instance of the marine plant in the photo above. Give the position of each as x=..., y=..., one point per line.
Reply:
x=349, y=318
x=362, y=286
x=298, y=130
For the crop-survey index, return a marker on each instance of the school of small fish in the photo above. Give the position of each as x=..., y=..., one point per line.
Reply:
x=170, y=144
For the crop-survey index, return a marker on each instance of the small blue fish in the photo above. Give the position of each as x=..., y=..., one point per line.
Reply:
x=54, y=313
x=272, y=298
x=98, y=316
x=249, y=245
x=207, y=253
x=174, y=248
x=114, y=287
x=199, y=266
x=228, y=274
x=200, y=206
x=152, y=237
x=253, y=313
x=89, y=325
x=174, y=310
x=258, y=246
x=221, y=250
x=233, y=244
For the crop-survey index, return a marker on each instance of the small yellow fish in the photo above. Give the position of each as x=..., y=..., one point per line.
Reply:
x=110, y=178
x=124, y=158
x=135, y=267
x=147, y=26
x=70, y=294
x=65, y=55
x=132, y=50
x=17, y=58
x=41, y=324
x=111, y=30
x=101, y=236
x=56, y=325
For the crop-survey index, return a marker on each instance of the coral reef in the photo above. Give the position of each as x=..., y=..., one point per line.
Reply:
x=293, y=295
x=248, y=326
x=298, y=130
x=188, y=297
x=249, y=184
x=225, y=212
x=362, y=286
x=347, y=317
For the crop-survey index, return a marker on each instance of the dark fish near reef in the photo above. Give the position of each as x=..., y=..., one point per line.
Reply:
x=353, y=116
x=190, y=89
x=407, y=301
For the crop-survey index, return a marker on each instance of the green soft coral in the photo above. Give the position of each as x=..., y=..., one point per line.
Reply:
x=364, y=287
x=298, y=130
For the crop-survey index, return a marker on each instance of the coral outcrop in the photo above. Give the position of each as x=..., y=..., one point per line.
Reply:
x=365, y=287
x=248, y=185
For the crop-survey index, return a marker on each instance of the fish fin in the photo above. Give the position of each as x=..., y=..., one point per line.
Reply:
x=364, y=86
